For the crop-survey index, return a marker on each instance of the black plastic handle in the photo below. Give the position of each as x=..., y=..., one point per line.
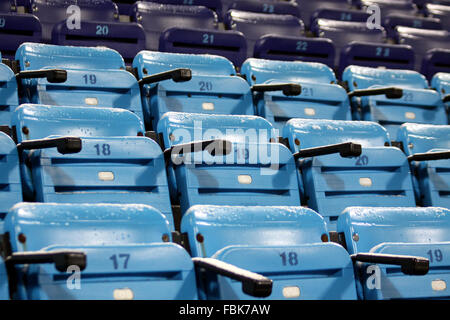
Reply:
x=411, y=265
x=253, y=284
x=446, y=98
x=177, y=75
x=429, y=156
x=389, y=92
x=214, y=147
x=52, y=75
x=346, y=150
x=65, y=145
x=289, y=89
x=61, y=259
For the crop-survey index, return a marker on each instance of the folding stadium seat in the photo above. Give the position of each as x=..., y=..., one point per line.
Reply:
x=98, y=25
x=428, y=150
x=393, y=21
x=214, y=5
x=9, y=98
x=431, y=48
x=441, y=83
x=321, y=97
x=210, y=85
x=109, y=161
x=16, y=28
x=276, y=7
x=442, y=12
x=308, y=8
x=10, y=185
x=410, y=100
x=377, y=175
x=89, y=77
x=289, y=244
x=121, y=251
x=256, y=25
x=420, y=238
x=391, y=7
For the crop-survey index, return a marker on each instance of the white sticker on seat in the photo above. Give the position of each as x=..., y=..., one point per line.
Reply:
x=106, y=175
x=291, y=292
x=310, y=111
x=244, y=179
x=208, y=106
x=365, y=182
x=410, y=115
x=123, y=294
x=91, y=101
x=438, y=285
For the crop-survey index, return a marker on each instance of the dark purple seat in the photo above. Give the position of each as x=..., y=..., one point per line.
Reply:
x=229, y=44
x=256, y=25
x=422, y=41
x=390, y=56
x=442, y=12
x=309, y=7
x=287, y=48
x=258, y=6
x=7, y=6
x=340, y=15
x=124, y=6
x=389, y=7
x=215, y=5
x=395, y=20
x=157, y=18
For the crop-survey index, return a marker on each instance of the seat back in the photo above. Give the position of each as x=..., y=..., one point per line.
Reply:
x=125, y=246
x=419, y=232
x=388, y=7
x=418, y=104
x=156, y=18
x=405, y=20
x=255, y=25
x=441, y=12
x=276, y=7
x=320, y=98
x=380, y=176
x=308, y=8
x=291, y=234
x=96, y=77
x=9, y=98
x=441, y=83
x=213, y=89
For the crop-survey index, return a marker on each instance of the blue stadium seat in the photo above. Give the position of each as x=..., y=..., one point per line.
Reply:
x=229, y=44
x=308, y=8
x=98, y=26
x=210, y=85
x=419, y=233
x=156, y=18
x=393, y=21
x=120, y=250
x=442, y=12
x=215, y=5
x=391, y=7
x=9, y=98
x=268, y=7
x=441, y=83
x=95, y=77
x=431, y=48
x=114, y=164
x=124, y=6
x=411, y=101
x=256, y=25
x=378, y=176
x=294, y=250
x=422, y=143
x=321, y=97
x=10, y=184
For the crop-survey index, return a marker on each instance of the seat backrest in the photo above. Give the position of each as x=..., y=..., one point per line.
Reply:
x=421, y=138
x=180, y=127
x=440, y=11
x=51, y=12
x=390, y=7
x=8, y=5
x=9, y=98
x=40, y=121
x=276, y=7
x=84, y=225
x=392, y=21
x=441, y=83
x=156, y=18
x=308, y=8
x=365, y=228
x=215, y=5
x=212, y=228
x=255, y=25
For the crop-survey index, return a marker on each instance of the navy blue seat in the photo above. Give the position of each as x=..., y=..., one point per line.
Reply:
x=308, y=8
x=215, y=5
x=10, y=184
x=124, y=6
x=110, y=163
x=378, y=176
x=8, y=6
x=431, y=48
x=94, y=77
x=412, y=101
x=9, y=98
x=120, y=251
x=391, y=7
x=432, y=180
x=271, y=6
x=157, y=18
x=422, y=234
x=256, y=25
x=442, y=12
x=395, y=20
x=321, y=97
x=99, y=25
x=288, y=243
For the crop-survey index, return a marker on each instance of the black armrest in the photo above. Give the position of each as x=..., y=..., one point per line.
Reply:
x=429, y=156
x=64, y=145
x=253, y=284
x=446, y=98
x=219, y=147
x=390, y=92
x=52, y=75
x=289, y=89
x=177, y=75
x=61, y=259
x=346, y=149
x=411, y=265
